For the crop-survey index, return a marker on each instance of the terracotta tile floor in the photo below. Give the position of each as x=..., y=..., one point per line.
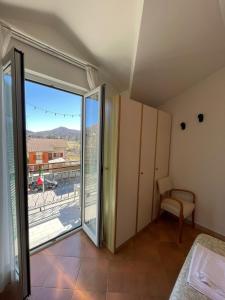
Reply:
x=145, y=268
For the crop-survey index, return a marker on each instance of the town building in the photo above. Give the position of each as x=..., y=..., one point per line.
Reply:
x=42, y=150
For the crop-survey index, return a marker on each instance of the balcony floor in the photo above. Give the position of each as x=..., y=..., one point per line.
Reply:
x=56, y=211
x=68, y=217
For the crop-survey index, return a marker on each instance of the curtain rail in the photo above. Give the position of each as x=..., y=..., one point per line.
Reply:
x=46, y=48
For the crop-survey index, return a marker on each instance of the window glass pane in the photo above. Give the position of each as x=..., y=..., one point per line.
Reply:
x=10, y=161
x=91, y=162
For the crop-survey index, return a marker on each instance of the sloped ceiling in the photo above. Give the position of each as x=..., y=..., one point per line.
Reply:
x=159, y=53
x=102, y=32
x=180, y=43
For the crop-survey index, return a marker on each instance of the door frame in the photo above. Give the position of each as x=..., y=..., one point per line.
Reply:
x=73, y=89
x=98, y=238
x=15, y=58
x=59, y=85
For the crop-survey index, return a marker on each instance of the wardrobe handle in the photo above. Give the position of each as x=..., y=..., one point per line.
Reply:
x=142, y=173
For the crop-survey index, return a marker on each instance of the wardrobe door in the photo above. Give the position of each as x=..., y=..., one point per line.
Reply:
x=162, y=153
x=147, y=166
x=128, y=168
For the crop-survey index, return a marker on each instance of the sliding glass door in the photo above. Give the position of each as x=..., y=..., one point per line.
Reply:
x=14, y=177
x=92, y=163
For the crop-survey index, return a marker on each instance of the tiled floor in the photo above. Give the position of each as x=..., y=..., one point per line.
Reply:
x=145, y=268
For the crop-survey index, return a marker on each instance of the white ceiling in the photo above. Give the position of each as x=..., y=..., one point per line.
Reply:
x=101, y=31
x=180, y=43
x=175, y=44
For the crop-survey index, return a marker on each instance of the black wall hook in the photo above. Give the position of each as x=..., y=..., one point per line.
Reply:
x=200, y=118
x=183, y=125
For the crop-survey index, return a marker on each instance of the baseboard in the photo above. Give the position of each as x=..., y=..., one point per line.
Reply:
x=197, y=226
x=210, y=232
x=201, y=228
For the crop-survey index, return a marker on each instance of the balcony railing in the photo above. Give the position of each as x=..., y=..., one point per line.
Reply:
x=45, y=203
x=53, y=167
x=53, y=210
x=54, y=206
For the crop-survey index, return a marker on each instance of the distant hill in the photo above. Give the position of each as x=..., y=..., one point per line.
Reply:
x=56, y=133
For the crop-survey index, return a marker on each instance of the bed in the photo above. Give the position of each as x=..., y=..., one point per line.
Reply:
x=181, y=290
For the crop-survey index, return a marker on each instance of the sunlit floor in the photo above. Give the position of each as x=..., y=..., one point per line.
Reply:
x=68, y=217
x=145, y=268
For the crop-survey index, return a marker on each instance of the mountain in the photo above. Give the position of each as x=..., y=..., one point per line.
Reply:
x=56, y=133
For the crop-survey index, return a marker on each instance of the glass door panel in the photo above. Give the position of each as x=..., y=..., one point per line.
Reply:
x=14, y=155
x=10, y=163
x=92, y=163
x=53, y=122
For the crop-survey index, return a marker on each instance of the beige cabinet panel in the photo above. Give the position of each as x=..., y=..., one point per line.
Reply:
x=147, y=166
x=110, y=170
x=142, y=157
x=128, y=168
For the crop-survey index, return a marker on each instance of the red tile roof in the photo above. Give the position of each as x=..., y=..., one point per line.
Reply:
x=45, y=145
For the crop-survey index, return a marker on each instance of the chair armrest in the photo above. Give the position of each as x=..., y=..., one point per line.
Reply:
x=185, y=191
x=180, y=203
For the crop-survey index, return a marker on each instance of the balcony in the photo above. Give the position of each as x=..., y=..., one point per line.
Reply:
x=54, y=207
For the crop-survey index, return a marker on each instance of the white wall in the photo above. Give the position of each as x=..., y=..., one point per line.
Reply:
x=198, y=153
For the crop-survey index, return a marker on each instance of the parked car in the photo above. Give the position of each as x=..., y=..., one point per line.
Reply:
x=37, y=186
x=50, y=184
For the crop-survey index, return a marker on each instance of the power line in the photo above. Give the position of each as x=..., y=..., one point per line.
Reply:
x=47, y=111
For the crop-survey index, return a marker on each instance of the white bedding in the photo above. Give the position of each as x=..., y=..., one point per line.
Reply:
x=207, y=272
x=182, y=290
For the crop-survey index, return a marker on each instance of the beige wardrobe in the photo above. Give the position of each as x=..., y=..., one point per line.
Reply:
x=142, y=141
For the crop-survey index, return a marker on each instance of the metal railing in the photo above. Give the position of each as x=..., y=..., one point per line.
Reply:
x=48, y=203
x=53, y=167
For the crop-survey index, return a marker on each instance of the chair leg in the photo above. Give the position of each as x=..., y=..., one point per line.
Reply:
x=159, y=209
x=181, y=222
x=193, y=218
x=159, y=213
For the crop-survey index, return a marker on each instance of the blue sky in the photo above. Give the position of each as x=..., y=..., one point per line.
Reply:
x=40, y=99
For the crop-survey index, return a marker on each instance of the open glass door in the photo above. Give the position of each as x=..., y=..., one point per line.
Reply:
x=15, y=181
x=92, y=162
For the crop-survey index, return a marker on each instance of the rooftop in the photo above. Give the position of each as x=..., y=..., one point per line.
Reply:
x=42, y=145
